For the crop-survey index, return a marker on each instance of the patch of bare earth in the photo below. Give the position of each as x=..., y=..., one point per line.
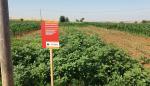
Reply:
x=134, y=45
x=30, y=33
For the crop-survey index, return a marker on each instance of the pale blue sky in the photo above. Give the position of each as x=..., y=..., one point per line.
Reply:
x=91, y=10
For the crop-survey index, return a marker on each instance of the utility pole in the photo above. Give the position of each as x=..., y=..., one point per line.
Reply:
x=41, y=14
x=5, y=56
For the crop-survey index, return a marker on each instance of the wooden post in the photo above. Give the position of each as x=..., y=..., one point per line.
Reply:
x=5, y=57
x=51, y=67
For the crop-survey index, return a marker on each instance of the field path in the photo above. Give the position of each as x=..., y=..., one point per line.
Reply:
x=30, y=33
x=134, y=45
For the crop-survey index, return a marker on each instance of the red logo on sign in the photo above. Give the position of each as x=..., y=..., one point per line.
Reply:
x=50, y=34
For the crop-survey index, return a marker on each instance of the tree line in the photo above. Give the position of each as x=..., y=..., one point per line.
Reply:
x=66, y=19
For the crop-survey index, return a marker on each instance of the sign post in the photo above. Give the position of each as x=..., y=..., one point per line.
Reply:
x=50, y=39
x=51, y=67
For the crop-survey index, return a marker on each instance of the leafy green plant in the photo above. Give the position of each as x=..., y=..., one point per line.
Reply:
x=145, y=60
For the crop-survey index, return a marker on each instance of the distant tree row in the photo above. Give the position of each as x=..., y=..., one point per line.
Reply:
x=63, y=19
x=136, y=22
x=145, y=21
x=66, y=19
x=80, y=20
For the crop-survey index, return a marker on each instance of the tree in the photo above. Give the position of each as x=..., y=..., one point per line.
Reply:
x=62, y=19
x=21, y=19
x=82, y=19
x=77, y=20
x=135, y=22
x=66, y=19
x=144, y=21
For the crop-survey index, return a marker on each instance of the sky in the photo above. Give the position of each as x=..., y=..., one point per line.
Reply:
x=91, y=10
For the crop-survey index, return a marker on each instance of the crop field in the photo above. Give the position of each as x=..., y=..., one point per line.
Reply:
x=136, y=44
x=18, y=27
x=83, y=59
x=138, y=29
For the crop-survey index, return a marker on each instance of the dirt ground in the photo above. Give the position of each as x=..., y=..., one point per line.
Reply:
x=31, y=33
x=136, y=46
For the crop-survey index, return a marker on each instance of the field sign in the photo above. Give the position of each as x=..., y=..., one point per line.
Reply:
x=50, y=39
x=50, y=34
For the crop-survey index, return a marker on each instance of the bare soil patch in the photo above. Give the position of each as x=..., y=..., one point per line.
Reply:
x=134, y=45
x=33, y=33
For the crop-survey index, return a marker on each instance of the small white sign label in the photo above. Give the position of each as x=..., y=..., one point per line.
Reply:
x=52, y=44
